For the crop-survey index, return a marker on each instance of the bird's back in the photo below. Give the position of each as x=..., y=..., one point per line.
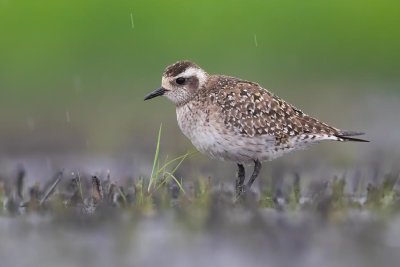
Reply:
x=252, y=110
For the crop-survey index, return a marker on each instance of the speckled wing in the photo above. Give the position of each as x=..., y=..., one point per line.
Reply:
x=251, y=110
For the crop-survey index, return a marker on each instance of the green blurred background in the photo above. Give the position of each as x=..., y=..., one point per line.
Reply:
x=73, y=73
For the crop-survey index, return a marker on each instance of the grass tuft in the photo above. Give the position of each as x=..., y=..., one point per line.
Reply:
x=155, y=161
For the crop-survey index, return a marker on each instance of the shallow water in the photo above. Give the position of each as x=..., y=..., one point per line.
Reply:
x=265, y=238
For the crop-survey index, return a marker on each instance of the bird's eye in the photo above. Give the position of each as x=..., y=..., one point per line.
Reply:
x=180, y=80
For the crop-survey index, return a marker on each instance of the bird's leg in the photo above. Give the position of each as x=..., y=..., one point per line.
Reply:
x=256, y=172
x=239, y=186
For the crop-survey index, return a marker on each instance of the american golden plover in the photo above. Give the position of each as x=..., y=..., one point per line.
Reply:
x=232, y=119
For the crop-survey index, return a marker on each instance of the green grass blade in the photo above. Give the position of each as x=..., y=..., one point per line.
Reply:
x=181, y=158
x=152, y=176
x=176, y=181
x=180, y=162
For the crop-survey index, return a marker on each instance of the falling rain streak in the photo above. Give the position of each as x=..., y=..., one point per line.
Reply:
x=67, y=116
x=31, y=124
x=132, y=22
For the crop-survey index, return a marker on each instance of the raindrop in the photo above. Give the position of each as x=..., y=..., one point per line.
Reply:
x=132, y=22
x=67, y=116
x=31, y=124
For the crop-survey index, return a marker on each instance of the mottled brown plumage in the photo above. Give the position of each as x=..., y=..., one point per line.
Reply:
x=251, y=110
x=233, y=119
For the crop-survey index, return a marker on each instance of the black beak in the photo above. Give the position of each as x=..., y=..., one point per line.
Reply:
x=155, y=93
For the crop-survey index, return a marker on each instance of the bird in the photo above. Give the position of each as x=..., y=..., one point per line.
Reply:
x=233, y=119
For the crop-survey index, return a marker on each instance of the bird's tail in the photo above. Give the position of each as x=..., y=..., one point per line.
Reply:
x=347, y=136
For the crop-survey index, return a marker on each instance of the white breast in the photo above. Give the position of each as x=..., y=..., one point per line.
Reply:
x=194, y=125
x=211, y=138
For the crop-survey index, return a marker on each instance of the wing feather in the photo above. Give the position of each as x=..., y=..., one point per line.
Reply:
x=252, y=110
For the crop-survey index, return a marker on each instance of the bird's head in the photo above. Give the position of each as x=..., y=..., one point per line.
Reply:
x=180, y=82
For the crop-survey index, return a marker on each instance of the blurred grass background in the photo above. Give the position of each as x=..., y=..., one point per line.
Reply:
x=73, y=73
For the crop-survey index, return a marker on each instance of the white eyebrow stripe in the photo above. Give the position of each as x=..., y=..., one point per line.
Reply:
x=199, y=73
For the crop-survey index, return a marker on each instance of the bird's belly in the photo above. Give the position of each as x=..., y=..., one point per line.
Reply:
x=235, y=147
x=232, y=147
x=215, y=141
x=210, y=139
